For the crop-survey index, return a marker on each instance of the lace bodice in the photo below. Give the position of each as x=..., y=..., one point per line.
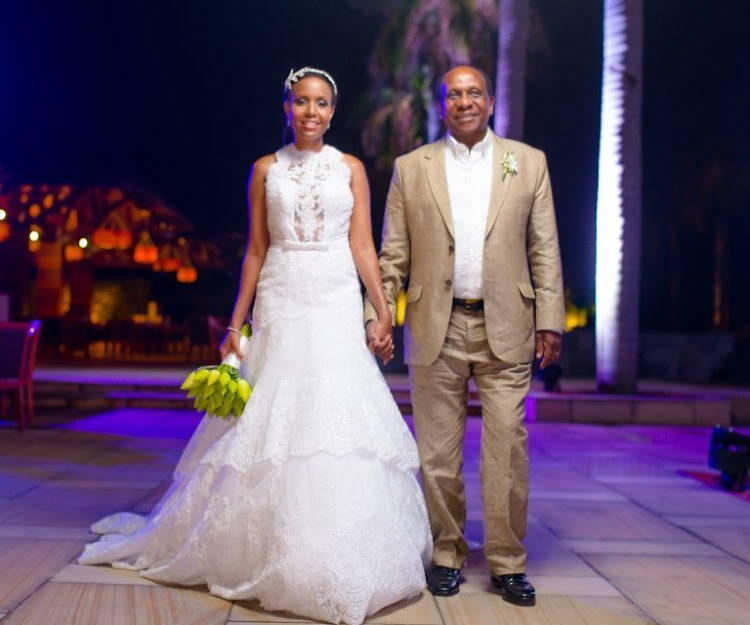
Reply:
x=308, y=196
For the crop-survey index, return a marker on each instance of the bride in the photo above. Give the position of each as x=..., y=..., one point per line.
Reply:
x=308, y=501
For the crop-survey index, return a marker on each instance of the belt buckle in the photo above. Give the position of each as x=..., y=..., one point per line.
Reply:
x=469, y=304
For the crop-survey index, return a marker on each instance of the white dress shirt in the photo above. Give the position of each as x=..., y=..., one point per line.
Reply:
x=469, y=174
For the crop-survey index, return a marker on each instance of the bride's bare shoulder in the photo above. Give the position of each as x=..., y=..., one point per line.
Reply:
x=263, y=164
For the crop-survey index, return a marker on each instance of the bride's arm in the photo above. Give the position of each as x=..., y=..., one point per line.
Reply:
x=255, y=254
x=365, y=256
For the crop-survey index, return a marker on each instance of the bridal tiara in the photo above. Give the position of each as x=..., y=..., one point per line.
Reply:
x=295, y=76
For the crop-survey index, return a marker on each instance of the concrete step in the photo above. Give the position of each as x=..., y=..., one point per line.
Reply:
x=675, y=408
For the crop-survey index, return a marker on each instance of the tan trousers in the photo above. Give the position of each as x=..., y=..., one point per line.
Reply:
x=439, y=392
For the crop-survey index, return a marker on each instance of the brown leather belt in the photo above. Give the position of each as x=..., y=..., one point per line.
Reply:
x=469, y=305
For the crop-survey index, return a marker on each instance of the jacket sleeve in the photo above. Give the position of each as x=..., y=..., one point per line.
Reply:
x=395, y=252
x=544, y=255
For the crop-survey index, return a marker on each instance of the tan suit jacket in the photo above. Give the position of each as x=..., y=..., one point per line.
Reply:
x=522, y=274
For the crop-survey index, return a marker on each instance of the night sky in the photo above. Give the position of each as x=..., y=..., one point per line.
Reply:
x=181, y=98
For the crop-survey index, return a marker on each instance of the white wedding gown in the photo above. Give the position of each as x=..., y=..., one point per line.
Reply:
x=309, y=501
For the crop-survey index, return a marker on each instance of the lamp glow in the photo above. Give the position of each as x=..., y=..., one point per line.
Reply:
x=34, y=235
x=83, y=242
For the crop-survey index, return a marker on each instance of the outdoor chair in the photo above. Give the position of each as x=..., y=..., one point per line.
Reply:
x=19, y=342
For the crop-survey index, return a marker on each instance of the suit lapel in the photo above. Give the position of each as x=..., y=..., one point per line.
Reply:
x=500, y=189
x=434, y=168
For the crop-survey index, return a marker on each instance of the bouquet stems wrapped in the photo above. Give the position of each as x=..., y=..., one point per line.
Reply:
x=219, y=390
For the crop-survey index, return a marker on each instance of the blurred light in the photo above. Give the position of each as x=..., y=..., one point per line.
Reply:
x=609, y=205
x=73, y=253
x=145, y=251
x=400, y=308
x=48, y=201
x=187, y=274
x=575, y=318
x=83, y=242
x=35, y=210
x=34, y=239
x=3, y=214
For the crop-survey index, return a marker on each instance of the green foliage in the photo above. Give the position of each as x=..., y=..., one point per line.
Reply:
x=418, y=42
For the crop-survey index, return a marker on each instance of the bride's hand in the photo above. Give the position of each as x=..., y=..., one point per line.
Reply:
x=380, y=340
x=231, y=343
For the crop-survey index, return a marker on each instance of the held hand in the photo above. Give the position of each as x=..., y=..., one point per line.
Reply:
x=231, y=343
x=548, y=347
x=380, y=340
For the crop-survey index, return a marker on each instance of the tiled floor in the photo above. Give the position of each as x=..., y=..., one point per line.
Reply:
x=619, y=534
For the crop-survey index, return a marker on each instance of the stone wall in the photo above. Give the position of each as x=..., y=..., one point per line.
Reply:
x=662, y=355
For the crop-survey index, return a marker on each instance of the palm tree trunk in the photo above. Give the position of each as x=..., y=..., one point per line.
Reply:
x=618, y=221
x=510, y=78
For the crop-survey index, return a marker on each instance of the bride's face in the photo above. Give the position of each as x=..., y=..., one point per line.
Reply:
x=310, y=108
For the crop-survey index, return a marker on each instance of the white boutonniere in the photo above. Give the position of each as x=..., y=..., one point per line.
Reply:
x=509, y=164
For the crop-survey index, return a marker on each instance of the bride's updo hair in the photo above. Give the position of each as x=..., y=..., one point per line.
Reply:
x=304, y=72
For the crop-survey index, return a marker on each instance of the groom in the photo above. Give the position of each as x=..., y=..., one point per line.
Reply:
x=470, y=223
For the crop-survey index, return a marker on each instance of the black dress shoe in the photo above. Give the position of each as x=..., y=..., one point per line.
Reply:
x=443, y=581
x=515, y=588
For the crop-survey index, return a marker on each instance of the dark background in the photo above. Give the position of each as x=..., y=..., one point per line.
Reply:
x=181, y=98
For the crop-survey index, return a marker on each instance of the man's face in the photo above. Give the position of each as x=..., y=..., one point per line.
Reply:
x=465, y=104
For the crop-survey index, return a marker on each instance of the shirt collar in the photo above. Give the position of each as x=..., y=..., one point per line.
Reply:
x=461, y=152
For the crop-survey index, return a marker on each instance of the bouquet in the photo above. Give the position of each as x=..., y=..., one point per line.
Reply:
x=219, y=390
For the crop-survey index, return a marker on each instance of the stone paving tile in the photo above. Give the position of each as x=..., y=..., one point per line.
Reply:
x=122, y=466
x=26, y=564
x=252, y=612
x=117, y=604
x=421, y=610
x=733, y=540
x=60, y=505
x=687, y=499
x=45, y=532
x=550, y=556
x=582, y=495
x=681, y=590
x=17, y=479
x=83, y=574
x=648, y=547
x=561, y=478
x=605, y=520
x=485, y=609
x=710, y=521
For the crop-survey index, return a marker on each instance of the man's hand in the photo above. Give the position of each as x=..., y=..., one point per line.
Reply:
x=380, y=340
x=548, y=347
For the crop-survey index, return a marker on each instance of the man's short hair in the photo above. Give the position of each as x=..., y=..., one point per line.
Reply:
x=438, y=91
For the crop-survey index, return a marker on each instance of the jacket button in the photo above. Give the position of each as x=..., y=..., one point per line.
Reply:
x=451, y=249
x=448, y=282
